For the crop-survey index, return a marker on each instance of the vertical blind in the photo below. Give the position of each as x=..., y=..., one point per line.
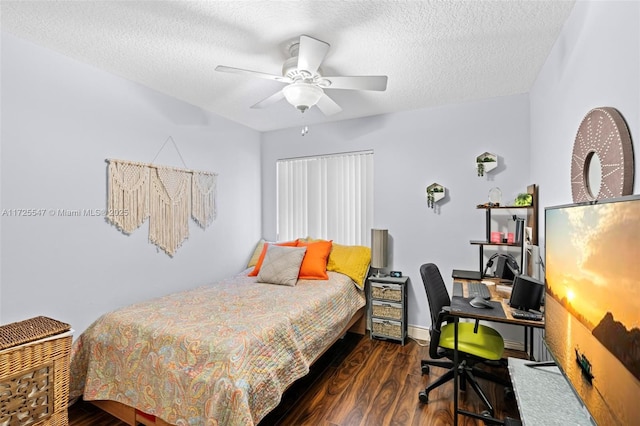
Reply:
x=329, y=197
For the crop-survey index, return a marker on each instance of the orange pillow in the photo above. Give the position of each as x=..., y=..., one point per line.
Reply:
x=255, y=271
x=314, y=264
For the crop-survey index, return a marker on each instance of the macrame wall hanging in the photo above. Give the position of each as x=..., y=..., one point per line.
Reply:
x=167, y=196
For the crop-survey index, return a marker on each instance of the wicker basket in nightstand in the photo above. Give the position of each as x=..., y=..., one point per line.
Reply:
x=34, y=372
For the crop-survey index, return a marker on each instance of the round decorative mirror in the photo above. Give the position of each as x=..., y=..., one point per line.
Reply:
x=602, y=160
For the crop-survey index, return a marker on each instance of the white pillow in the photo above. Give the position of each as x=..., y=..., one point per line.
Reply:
x=281, y=265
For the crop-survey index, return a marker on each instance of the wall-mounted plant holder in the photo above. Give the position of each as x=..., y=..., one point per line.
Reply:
x=486, y=162
x=435, y=193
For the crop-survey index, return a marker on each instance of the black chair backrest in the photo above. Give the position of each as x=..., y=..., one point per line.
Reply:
x=438, y=298
x=437, y=293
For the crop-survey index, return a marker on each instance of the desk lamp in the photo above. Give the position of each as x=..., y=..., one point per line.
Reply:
x=379, y=238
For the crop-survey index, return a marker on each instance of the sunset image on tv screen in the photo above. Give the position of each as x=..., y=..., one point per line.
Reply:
x=592, y=304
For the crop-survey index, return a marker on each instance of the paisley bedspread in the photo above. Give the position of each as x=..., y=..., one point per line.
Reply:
x=221, y=354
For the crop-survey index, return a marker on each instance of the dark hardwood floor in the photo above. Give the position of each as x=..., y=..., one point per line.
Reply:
x=360, y=381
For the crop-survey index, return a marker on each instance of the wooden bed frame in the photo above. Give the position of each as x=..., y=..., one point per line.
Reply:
x=134, y=417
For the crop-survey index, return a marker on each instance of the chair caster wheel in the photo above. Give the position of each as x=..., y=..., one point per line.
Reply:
x=487, y=413
x=425, y=369
x=509, y=394
x=423, y=397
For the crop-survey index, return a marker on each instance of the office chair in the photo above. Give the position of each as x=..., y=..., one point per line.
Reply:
x=474, y=346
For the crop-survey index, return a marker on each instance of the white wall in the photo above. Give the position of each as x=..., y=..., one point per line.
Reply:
x=412, y=150
x=595, y=62
x=60, y=120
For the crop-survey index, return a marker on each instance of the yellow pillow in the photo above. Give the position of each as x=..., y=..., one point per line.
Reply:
x=353, y=261
x=256, y=254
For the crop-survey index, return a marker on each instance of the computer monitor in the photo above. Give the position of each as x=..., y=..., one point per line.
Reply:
x=526, y=293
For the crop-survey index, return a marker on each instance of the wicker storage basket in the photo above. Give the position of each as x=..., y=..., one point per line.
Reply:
x=386, y=291
x=388, y=328
x=34, y=372
x=386, y=310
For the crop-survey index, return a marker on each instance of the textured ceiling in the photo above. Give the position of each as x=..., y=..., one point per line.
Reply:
x=434, y=52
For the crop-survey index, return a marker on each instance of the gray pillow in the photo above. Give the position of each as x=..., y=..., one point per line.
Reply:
x=281, y=265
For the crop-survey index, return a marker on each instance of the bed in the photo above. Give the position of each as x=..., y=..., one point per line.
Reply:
x=219, y=354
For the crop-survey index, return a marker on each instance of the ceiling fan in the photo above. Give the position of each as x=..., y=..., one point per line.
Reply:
x=305, y=84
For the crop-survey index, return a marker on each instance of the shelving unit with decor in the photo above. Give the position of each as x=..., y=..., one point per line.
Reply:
x=531, y=222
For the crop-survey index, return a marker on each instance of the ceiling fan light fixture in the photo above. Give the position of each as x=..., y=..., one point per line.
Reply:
x=302, y=95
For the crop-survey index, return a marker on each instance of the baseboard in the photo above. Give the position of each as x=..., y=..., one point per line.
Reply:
x=514, y=345
x=421, y=333
x=418, y=333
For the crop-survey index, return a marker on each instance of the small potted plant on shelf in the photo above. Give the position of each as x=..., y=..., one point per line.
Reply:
x=486, y=162
x=435, y=192
x=523, y=200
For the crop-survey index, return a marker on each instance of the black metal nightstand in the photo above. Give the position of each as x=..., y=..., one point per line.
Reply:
x=388, y=307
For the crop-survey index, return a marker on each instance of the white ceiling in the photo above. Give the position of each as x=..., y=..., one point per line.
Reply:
x=434, y=52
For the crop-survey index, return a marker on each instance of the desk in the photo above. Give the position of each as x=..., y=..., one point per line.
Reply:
x=493, y=315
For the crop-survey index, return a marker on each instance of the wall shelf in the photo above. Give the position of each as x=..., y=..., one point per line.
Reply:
x=486, y=162
x=488, y=243
x=435, y=193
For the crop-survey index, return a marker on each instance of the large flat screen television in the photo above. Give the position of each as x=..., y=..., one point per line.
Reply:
x=592, y=304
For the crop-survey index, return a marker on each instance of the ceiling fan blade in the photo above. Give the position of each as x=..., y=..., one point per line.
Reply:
x=270, y=100
x=311, y=53
x=368, y=82
x=328, y=105
x=232, y=70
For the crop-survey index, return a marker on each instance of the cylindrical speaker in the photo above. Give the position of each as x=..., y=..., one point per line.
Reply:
x=519, y=230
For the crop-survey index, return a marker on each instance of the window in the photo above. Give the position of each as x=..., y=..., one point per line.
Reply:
x=329, y=197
